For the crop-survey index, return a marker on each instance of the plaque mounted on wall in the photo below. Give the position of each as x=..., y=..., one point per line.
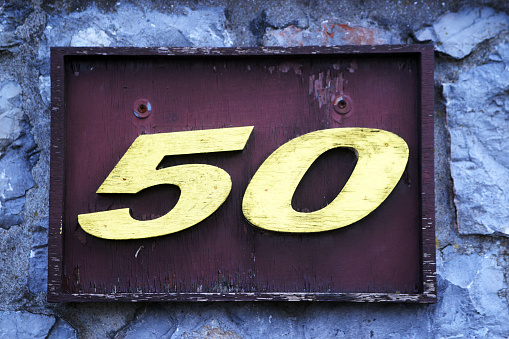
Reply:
x=188, y=174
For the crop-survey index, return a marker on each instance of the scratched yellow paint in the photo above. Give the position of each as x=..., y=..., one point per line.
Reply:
x=203, y=187
x=382, y=158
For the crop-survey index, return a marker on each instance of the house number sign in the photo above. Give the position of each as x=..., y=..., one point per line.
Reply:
x=267, y=201
x=242, y=174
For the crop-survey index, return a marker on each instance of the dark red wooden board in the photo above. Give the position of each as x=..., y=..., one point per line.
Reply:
x=284, y=93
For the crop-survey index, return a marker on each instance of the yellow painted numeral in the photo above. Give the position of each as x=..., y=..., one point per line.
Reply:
x=203, y=187
x=382, y=158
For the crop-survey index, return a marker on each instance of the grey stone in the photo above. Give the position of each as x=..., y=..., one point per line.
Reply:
x=62, y=330
x=10, y=17
x=152, y=322
x=478, y=120
x=38, y=275
x=90, y=37
x=9, y=42
x=13, y=14
x=100, y=320
x=210, y=321
x=24, y=325
x=45, y=89
x=131, y=26
x=15, y=176
x=455, y=316
x=14, y=253
x=33, y=26
x=363, y=321
x=459, y=269
x=17, y=24
x=10, y=112
x=38, y=269
x=210, y=329
x=294, y=14
x=481, y=279
x=457, y=34
x=299, y=320
x=485, y=293
x=274, y=18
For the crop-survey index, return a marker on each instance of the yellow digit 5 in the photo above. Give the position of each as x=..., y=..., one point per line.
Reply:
x=382, y=157
x=203, y=187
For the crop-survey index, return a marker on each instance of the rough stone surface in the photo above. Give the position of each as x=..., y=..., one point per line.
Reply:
x=152, y=322
x=328, y=34
x=91, y=37
x=481, y=278
x=471, y=161
x=454, y=314
x=10, y=17
x=62, y=330
x=10, y=112
x=478, y=119
x=45, y=89
x=33, y=25
x=132, y=26
x=245, y=320
x=98, y=320
x=457, y=34
x=9, y=42
x=38, y=274
x=25, y=325
x=15, y=177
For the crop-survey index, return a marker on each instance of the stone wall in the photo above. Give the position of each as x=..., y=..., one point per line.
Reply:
x=471, y=40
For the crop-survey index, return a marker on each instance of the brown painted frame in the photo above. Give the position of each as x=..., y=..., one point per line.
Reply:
x=57, y=198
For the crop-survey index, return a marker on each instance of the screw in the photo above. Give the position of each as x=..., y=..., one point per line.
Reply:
x=342, y=104
x=142, y=108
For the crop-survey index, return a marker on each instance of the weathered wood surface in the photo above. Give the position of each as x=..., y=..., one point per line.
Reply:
x=284, y=93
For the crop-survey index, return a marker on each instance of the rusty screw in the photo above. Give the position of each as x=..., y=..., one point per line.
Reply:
x=342, y=104
x=142, y=108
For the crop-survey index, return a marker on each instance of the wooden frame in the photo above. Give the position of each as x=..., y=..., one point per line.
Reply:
x=426, y=292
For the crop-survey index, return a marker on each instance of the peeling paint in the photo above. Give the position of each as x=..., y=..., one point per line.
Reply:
x=325, y=87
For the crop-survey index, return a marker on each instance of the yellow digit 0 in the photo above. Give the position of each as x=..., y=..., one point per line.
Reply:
x=382, y=158
x=203, y=187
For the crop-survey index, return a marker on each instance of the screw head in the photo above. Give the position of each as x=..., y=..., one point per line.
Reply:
x=342, y=104
x=142, y=108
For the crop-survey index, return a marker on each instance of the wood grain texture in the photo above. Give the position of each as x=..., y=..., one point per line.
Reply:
x=203, y=187
x=387, y=256
x=57, y=173
x=382, y=157
x=427, y=173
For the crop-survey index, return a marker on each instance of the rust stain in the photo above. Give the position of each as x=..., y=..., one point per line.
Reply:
x=351, y=35
x=329, y=33
x=292, y=34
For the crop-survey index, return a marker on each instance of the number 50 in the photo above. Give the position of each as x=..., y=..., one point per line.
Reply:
x=382, y=158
